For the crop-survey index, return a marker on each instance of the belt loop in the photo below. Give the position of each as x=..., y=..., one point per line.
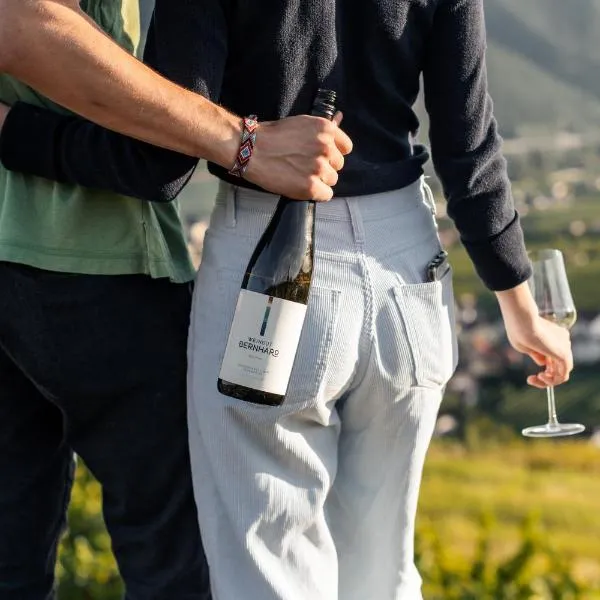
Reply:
x=231, y=206
x=356, y=218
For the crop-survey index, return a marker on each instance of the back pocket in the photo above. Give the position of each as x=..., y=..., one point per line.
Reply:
x=427, y=310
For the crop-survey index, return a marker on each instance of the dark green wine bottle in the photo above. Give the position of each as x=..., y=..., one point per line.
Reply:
x=265, y=332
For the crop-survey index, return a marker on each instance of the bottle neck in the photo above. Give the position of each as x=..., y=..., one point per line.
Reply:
x=324, y=112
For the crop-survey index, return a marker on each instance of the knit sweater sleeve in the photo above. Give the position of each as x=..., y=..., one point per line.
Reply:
x=466, y=146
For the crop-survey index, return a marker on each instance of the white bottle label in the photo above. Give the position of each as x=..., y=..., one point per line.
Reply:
x=262, y=343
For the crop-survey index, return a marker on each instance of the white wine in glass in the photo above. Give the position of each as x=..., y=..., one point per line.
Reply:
x=550, y=288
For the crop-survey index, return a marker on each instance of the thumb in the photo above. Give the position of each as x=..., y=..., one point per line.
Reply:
x=338, y=117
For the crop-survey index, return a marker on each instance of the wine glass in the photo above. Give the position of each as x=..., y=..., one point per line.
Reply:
x=550, y=288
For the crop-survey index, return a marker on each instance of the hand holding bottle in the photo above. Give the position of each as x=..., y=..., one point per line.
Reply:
x=299, y=157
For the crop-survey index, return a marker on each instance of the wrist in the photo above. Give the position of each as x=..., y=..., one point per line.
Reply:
x=247, y=145
x=518, y=302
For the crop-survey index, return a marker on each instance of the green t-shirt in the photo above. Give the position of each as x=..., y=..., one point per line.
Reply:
x=67, y=228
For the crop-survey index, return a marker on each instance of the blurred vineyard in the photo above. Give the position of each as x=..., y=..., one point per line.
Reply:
x=552, y=228
x=510, y=520
x=86, y=568
x=513, y=521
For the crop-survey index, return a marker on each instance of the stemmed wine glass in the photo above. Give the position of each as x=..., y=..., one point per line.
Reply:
x=550, y=288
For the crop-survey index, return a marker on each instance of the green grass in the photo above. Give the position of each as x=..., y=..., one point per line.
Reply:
x=558, y=483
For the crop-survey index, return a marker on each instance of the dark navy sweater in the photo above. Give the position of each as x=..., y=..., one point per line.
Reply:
x=268, y=57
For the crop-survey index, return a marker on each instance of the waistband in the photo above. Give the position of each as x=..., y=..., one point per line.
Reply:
x=236, y=201
x=389, y=221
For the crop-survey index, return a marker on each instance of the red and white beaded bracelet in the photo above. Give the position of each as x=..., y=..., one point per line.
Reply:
x=250, y=125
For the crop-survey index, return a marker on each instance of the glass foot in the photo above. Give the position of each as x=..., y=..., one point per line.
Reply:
x=557, y=430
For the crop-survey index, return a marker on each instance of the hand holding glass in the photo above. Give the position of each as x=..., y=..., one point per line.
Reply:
x=550, y=288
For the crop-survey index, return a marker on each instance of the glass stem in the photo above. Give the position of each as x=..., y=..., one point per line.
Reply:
x=552, y=418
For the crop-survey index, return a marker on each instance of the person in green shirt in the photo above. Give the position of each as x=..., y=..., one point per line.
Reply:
x=94, y=312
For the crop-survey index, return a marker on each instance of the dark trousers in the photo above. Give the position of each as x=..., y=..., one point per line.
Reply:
x=96, y=365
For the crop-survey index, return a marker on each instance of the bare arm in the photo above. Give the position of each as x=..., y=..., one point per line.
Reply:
x=54, y=47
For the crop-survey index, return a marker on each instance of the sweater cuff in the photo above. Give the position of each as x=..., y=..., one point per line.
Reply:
x=501, y=262
x=28, y=141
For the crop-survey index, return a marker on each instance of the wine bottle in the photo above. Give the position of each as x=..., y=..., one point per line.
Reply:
x=271, y=308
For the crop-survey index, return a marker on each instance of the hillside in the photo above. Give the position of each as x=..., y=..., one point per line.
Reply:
x=544, y=64
x=528, y=98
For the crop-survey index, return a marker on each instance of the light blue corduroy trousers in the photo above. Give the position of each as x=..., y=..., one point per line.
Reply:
x=316, y=499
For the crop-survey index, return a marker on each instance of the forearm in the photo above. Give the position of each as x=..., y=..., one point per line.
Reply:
x=113, y=88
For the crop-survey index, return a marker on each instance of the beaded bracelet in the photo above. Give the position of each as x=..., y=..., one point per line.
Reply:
x=247, y=144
